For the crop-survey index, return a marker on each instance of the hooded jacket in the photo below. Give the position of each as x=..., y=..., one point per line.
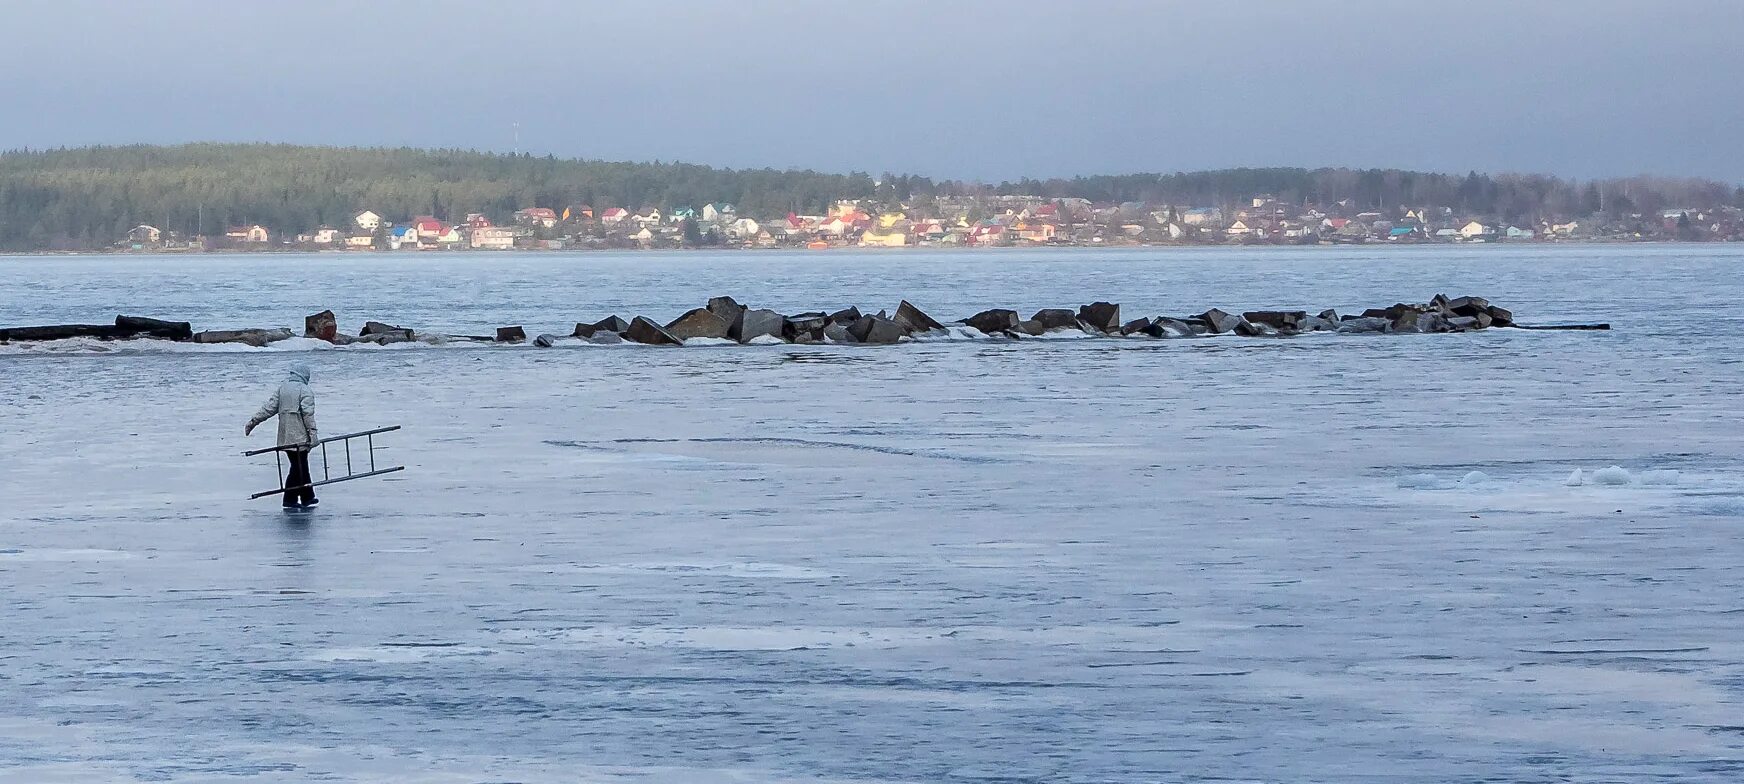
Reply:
x=294, y=404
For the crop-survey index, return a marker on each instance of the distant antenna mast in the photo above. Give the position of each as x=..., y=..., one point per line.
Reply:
x=517, y=127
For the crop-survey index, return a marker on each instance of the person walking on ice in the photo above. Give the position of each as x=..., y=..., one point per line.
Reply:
x=294, y=404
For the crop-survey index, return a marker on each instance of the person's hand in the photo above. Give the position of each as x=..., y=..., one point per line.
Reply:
x=248, y=429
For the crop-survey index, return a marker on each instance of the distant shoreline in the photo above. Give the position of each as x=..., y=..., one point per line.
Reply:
x=581, y=251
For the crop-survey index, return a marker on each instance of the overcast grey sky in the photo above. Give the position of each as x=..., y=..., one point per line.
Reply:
x=980, y=90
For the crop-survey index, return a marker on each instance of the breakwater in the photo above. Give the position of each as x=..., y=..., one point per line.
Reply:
x=723, y=319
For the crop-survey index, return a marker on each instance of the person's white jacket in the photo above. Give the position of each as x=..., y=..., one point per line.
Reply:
x=294, y=404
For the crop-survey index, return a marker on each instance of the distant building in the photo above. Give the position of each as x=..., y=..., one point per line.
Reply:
x=1474, y=229
x=360, y=241
x=575, y=212
x=402, y=236
x=544, y=216
x=614, y=215
x=326, y=235
x=144, y=235
x=255, y=233
x=493, y=238
x=367, y=220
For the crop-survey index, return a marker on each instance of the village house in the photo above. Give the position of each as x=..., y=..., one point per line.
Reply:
x=1517, y=233
x=402, y=237
x=878, y=240
x=452, y=237
x=614, y=215
x=718, y=211
x=543, y=216
x=1475, y=230
x=144, y=235
x=1036, y=232
x=367, y=220
x=477, y=220
x=493, y=238
x=326, y=235
x=360, y=242
x=577, y=212
x=428, y=228
x=255, y=234
x=649, y=218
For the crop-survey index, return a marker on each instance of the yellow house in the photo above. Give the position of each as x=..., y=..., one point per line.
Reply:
x=892, y=240
x=887, y=220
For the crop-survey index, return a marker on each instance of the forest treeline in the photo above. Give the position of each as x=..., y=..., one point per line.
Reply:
x=89, y=197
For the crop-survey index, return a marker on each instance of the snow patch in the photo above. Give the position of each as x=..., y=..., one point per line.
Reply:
x=1613, y=475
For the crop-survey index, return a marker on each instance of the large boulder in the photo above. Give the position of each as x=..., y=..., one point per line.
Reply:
x=584, y=330
x=1249, y=329
x=1330, y=315
x=1170, y=328
x=752, y=324
x=251, y=337
x=805, y=327
x=511, y=334
x=385, y=333
x=1104, y=316
x=1500, y=317
x=1468, y=306
x=321, y=326
x=698, y=323
x=1135, y=326
x=1056, y=318
x=994, y=321
x=1317, y=324
x=1365, y=324
x=546, y=340
x=604, y=338
x=912, y=320
x=846, y=316
x=642, y=330
x=134, y=326
x=837, y=332
x=1219, y=322
x=1282, y=320
x=727, y=308
x=612, y=324
x=876, y=330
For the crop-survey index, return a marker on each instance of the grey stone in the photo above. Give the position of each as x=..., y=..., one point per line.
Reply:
x=1501, y=317
x=1252, y=330
x=612, y=324
x=698, y=323
x=1282, y=320
x=60, y=332
x=1468, y=306
x=604, y=338
x=1135, y=326
x=993, y=321
x=1056, y=318
x=377, y=327
x=383, y=338
x=546, y=340
x=644, y=331
x=1170, y=328
x=1030, y=327
x=511, y=334
x=1104, y=316
x=912, y=320
x=584, y=330
x=1219, y=322
x=1317, y=324
x=805, y=327
x=727, y=308
x=752, y=324
x=1365, y=324
x=1462, y=323
x=1330, y=315
x=838, y=332
x=876, y=330
x=845, y=316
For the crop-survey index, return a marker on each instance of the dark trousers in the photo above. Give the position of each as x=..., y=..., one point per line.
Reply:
x=299, y=476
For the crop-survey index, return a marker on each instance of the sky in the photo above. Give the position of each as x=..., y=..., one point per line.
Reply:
x=976, y=90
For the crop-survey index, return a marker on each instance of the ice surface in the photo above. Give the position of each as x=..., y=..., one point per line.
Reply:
x=1575, y=479
x=1612, y=475
x=984, y=560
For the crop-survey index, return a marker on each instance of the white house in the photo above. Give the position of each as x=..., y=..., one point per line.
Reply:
x=402, y=236
x=743, y=229
x=360, y=241
x=1474, y=229
x=367, y=220
x=145, y=235
x=326, y=235
x=1517, y=233
x=1237, y=228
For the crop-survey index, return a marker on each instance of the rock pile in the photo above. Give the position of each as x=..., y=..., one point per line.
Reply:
x=725, y=319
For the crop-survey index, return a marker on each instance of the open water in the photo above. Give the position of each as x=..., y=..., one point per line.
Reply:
x=1327, y=558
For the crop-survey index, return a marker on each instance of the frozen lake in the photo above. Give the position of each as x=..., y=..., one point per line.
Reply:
x=964, y=561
